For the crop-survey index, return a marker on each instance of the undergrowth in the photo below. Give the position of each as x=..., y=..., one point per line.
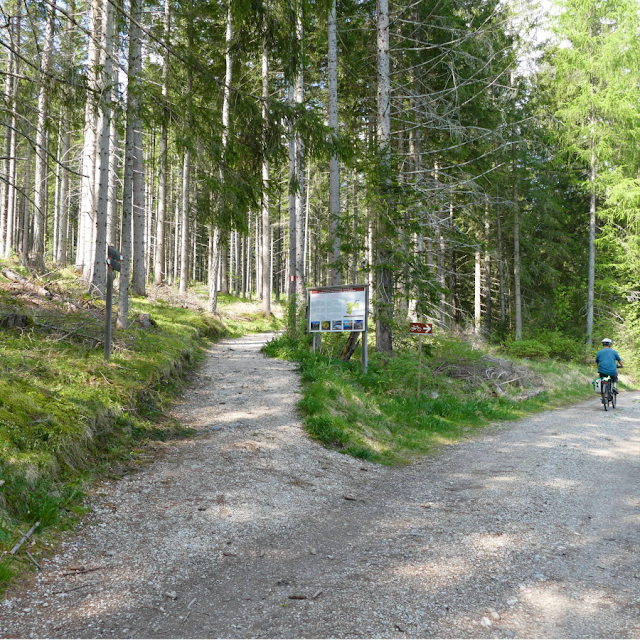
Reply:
x=380, y=416
x=66, y=415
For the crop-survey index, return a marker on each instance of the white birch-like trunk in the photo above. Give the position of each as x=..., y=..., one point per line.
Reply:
x=334, y=164
x=488, y=282
x=41, y=168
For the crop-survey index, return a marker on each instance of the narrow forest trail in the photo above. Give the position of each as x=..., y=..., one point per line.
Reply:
x=528, y=530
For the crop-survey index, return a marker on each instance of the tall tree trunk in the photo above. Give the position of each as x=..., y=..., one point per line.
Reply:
x=186, y=173
x=12, y=192
x=138, y=280
x=299, y=164
x=99, y=275
x=354, y=275
x=228, y=79
x=488, y=284
x=334, y=164
x=503, y=315
x=63, y=221
x=87, y=198
x=516, y=255
x=293, y=249
x=184, y=248
x=158, y=269
x=266, y=222
x=214, y=262
x=135, y=66
x=592, y=243
x=41, y=170
x=384, y=284
x=477, y=290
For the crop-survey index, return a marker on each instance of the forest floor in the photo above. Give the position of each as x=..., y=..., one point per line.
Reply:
x=526, y=529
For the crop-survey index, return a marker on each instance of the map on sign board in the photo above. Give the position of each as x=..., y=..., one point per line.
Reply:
x=337, y=309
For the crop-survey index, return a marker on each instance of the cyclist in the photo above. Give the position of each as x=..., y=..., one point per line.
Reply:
x=607, y=360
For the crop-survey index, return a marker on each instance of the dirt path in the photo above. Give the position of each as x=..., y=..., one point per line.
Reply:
x=530, y=530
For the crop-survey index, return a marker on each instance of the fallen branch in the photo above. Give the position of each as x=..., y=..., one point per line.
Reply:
x=79, y=570
x=80, y=586
x=24, y=538
x=33, y=560
x=27, y=284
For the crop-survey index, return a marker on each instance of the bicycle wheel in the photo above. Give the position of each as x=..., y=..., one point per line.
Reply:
x=605, y=395
x=614, y=398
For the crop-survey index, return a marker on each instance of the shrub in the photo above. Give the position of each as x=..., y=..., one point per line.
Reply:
x=561, y=346
x=531, y=349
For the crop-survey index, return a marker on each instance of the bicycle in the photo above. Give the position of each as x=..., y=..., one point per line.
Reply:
x=609, y=394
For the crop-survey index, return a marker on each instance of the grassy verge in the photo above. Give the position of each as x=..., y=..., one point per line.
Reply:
x=379, y=416
x=67, y=416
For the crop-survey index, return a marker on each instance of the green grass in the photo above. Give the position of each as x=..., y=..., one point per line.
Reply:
x=67, y=416
x=379, y=416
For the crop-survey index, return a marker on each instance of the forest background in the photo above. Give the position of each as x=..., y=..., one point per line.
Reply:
x=476, y=162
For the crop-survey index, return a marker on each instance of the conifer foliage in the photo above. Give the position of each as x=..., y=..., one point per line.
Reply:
x=262, y=146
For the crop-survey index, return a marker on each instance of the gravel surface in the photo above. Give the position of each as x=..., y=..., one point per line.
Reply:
x=530, y=529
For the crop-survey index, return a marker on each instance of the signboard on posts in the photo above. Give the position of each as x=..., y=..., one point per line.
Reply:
x=339, y=308
x=420, y=328
x=333, y=309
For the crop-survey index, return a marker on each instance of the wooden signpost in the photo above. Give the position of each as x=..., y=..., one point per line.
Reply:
x=113, y=264
x=421, y=329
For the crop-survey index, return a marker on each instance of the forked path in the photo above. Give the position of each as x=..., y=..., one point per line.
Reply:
x=528, y=530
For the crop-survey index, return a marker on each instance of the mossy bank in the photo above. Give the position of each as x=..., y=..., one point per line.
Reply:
x=66, y=415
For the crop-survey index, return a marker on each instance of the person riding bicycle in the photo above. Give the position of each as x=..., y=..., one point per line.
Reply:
x=607, y=360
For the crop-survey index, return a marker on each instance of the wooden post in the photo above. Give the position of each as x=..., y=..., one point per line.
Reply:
x=107, y=325
x=419, y=363
x=365, y=337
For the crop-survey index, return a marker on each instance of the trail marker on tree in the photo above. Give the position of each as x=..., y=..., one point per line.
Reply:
x=114, y=263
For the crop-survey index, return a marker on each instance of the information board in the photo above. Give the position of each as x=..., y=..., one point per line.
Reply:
x=332, y=310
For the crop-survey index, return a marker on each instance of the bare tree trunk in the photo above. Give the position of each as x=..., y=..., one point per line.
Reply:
x=299, y=164
x=503, y=315
x=87, y=199
x=138, y=280
x=63, y=221
x=292, y=227
x=24, y=253
x=99, y=275
x=355, y=226
x=477, y=290
x=592, y=244
x=488, y=284
x=214, y=262
x=41, y=170
x=158, y=269
x=334, y=165
x=184, y=250
x=516, y=256
x=135, y=66
x=384, y=305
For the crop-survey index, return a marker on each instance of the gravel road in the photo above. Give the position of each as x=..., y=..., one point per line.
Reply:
x=529, y=529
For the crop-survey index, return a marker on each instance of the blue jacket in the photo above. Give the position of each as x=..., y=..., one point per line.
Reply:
x=606, y=359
